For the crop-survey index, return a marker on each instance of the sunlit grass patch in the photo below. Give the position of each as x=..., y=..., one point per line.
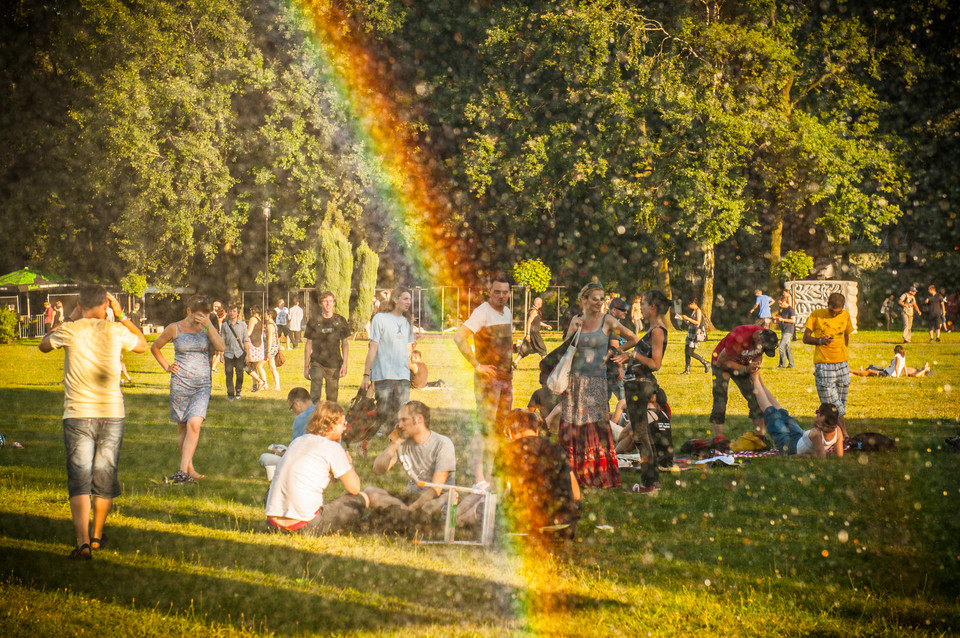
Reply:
x=861, y=546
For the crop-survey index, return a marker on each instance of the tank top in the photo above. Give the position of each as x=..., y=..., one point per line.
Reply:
x=804, y=446
x=645, y=348
x=591, y=350
x=535, y=324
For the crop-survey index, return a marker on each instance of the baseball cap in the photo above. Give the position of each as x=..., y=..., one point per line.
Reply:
x=770, y=343
x=913, y=289
x=618, y=303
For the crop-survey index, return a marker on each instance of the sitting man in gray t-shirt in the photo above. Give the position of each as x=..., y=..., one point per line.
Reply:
x=424, y=454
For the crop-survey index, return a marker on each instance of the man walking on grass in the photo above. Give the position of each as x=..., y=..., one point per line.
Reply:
x=908, y=301
x=93, y=410
x=236, y=347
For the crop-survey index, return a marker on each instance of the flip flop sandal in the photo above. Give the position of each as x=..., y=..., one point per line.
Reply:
x=77, y=553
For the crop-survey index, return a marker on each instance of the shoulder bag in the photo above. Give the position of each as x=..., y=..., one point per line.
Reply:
x=559, y=379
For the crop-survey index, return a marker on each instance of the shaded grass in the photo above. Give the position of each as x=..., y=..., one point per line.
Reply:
x=866, y=545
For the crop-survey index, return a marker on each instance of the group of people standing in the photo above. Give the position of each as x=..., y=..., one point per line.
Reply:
x=937, y=311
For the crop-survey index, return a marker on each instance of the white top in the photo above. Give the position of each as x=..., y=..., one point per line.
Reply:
x=484, y=315
x=303, y=473
x=805, y=446
x=392, y=334
x=91, y=367
x=295, y=316
x=897, y=365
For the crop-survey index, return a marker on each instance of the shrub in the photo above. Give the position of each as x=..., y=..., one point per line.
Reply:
x=8, y=326
x=532, y=273
x=796, y=264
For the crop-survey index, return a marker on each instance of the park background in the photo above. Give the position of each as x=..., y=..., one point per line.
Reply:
x=706, y=148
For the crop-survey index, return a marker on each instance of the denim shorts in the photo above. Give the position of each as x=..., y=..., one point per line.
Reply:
x=93, y=451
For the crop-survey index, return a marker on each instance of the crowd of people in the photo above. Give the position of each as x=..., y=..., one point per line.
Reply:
x=539, y=480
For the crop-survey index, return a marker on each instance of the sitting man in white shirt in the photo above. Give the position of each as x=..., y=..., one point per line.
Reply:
x=424, y=454
x=898, y=367
x=295, y=499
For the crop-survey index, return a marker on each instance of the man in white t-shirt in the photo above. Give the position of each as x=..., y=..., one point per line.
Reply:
x=386, y=367
x=295, y=316
x=423, y=454
x=491, y=327
x=295, y=499
x=93, y=409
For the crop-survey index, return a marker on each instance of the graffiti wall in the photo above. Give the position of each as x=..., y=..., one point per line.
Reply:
x=811, y=295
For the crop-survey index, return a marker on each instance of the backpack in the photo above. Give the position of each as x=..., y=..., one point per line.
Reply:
x=870, y=442
x=361, y=418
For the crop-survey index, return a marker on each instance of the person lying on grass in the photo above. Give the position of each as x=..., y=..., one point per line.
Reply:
x=295, y=499
x=898, y=367
x=423, y=454
x=825, y=437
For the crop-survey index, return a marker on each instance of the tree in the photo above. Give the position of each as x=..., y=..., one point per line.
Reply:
x=335, y=267
x=366, y=263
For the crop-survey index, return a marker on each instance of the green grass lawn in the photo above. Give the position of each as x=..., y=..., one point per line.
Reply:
x=866, y=545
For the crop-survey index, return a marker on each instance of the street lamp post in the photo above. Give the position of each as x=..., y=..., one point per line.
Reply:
x=266, y=251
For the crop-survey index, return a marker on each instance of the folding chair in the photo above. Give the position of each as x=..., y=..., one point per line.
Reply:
x=450, y=524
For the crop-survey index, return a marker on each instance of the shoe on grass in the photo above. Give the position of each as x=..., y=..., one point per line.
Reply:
x=649, y=490
x=81, y=553
x=180, y=478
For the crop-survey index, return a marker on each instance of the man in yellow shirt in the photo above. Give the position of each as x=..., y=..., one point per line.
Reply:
x=829, y=330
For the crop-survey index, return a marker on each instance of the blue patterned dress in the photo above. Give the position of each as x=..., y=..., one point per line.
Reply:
x=190, y=387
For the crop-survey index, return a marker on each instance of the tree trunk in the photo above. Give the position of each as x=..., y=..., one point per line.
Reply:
x=706, y=297
x=663, y=277
x=776, y=243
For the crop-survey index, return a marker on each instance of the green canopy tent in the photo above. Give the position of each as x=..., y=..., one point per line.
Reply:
x=26, y=280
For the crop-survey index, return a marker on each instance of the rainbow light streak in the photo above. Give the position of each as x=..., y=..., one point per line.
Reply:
x=405, y=186
x=407, y=190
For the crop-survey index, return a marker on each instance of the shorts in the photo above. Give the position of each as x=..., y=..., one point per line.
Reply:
x=934, y=321
x=93, y=452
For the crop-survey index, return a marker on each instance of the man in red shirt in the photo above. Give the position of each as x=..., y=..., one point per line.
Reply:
x=738, y=357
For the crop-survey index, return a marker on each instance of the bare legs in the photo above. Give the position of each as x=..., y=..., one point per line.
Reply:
x=271, y=364
x=188, y=435
x=259, y=378
x=764, y=397
x=80, y=513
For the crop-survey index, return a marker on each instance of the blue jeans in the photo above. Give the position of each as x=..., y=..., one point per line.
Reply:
x=783, y=429
x=391, y=394
x=93, y=451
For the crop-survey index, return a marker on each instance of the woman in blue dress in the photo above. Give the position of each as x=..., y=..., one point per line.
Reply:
x=195, y=342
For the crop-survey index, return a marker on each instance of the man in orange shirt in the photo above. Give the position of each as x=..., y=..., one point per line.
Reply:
x=829, y=330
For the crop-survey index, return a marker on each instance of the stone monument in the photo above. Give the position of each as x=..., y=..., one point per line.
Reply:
x=808, y=295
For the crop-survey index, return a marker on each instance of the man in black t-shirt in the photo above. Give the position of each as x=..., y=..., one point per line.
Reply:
x=788, y=328
x=935, y=310
x=326, y=349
